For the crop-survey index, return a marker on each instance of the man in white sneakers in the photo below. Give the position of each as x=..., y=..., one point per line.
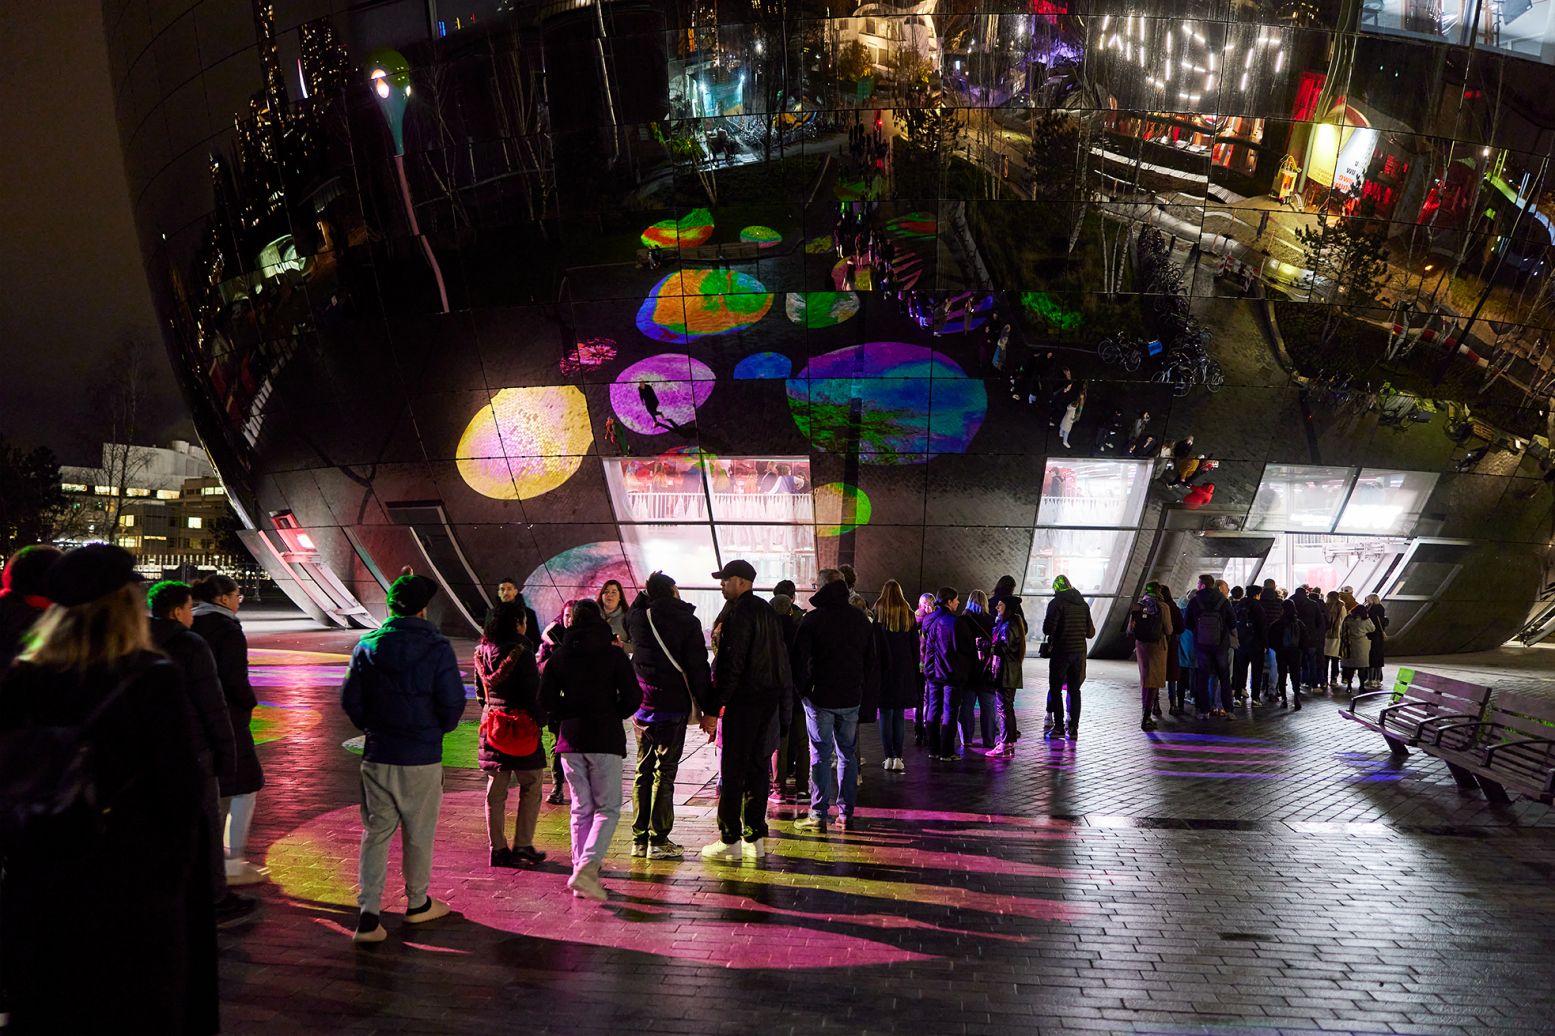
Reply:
x=403, y=690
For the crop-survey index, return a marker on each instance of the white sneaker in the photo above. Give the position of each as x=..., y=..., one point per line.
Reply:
x=901, y=766
x=721, y=850
x=436, y=908
x=585, y=882
x=889, y=764
x=241, y=872
x=754, y=850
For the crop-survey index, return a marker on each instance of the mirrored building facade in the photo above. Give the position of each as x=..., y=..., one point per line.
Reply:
x=567, y=291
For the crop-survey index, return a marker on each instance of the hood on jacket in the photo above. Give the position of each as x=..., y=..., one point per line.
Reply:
x=1069, y=595
x=587, y=633
x=212, y=608
x=400, y=643
x=831, y=595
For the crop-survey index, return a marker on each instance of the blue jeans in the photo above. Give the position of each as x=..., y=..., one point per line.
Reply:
x=983, y=700
x=943, y=698
x=1311, y=673
x=893, y=732
x=829, y=728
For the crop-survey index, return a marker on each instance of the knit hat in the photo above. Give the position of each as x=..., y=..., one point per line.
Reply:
x=88, y=573
x=410, y=594
x=1060, y=584
x=26, y=572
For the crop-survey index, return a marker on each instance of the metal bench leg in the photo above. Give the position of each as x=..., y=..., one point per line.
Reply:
x=1398, y=747
x=1493, y=791
x=1464, y=778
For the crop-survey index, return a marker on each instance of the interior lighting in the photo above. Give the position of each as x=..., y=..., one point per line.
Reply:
x=1243, y=84
x=1279, y=60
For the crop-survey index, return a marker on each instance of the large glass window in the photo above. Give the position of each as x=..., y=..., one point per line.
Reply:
x=1329, y=561
x=1093, y=492
x=1297, y=497
x=687, y=514
x=1385, y=501
x=1092, y=559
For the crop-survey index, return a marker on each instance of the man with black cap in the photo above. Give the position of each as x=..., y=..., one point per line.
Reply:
x=404, y=692
x=670, y=660
x=750, y=676
x=22, y=596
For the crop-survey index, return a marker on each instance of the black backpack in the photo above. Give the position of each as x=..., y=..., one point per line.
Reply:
x=46, y=772
x=1209, y=629
x=1147, y=624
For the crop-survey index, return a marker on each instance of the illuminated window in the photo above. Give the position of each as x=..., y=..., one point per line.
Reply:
x=194, y=522
x=137, y=491
x=213, y=491
x=1386, y=502
x=103, y=490
x=167, y=494
x=73, y=487
x=129, y=541
x=127, y=520
x=1299, y=498
x=1093, y=492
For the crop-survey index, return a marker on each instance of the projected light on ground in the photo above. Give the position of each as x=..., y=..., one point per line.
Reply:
x=691, y=304
x=676, y=386
x=576, y=572
x=817, y=309
x=914, y=226
x=840, y=508
x=766, y=237
x=587, y=355
x=900, y=401
x=761, y=366
x=690, y=230
x=526, y=442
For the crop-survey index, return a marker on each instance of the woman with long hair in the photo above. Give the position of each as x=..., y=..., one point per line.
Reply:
x=901, y=682
x=1333, y=639
x=122, y=878
x=612, y=605
x=217, y=600
x=509, y=685
x=1009, y=656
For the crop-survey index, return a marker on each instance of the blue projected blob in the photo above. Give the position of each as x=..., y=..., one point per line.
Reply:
x=763, y=365
x=912, y=402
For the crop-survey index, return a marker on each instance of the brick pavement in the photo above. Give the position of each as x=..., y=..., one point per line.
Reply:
x=1269, y=874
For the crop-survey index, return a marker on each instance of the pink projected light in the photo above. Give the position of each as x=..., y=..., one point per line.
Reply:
x=526, y=442
x=676, y=386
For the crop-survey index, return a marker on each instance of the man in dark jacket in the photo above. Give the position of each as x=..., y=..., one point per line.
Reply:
x=1067, y=626
x=1314, y=620
x=834, y=665
x=1252, y=629
x=1211, y=621
x=949, y=662
x=671, y=664
x=172, y=613
x=22, y=597
x=750, y=674
x=508, y=592
x=404, y=692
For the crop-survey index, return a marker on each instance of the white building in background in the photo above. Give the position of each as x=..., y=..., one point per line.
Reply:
x=887, y=29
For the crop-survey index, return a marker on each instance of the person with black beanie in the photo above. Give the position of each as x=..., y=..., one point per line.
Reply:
x=22, y=596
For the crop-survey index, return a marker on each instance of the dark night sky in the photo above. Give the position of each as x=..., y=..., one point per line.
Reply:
x=69, y=263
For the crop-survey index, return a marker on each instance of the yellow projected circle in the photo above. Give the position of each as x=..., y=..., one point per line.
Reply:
x=528, y=441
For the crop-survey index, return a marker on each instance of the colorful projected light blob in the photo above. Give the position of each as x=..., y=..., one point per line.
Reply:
x=764, y=237
x=763, y=366
x=690, y=230
x=914, y=226
x=914, y=402
x=675, y=384
x=588, y=354
x=526, y=442
x=818, y=309
x=576, y=572
x=691, y=304
x=840, y=508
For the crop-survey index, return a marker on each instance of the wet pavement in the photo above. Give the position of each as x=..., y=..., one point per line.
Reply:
x=1272, y=873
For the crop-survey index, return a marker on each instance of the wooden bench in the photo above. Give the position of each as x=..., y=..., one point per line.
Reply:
x=1417, y=706
x=1511, y=749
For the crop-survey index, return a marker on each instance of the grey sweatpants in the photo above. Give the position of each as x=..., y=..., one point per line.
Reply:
x=395, y=796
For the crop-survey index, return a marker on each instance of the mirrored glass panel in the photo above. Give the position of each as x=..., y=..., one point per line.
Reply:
x=1298, y=496
x=1093, y=492
x=1386, y=501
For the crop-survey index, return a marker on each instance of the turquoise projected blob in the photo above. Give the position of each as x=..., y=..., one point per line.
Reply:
x=840, y=508
x=759, y=366
x=817, y=309
x=690, y=304
x=911, y=403
x=526, y=442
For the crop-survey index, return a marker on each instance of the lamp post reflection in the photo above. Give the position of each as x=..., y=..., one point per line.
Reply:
x=390, y=76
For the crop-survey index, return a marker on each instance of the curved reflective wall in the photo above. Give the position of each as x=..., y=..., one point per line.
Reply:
x=563, y=291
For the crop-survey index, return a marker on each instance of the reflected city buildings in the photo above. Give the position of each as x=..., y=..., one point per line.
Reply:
x=566, y=292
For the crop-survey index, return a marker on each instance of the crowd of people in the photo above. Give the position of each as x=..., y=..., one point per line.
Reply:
x=156, y=683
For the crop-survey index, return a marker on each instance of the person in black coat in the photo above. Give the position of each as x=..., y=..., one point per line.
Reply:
x=216, y=621
x=22, y=597
x=509, y=684
x=172, y=613
x=949, y=650
x=106, y=920
x=834, y=660
x=670, y=660
x=589, y=687
x=1314, y=627
x=901, y=677
x=791, y=762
